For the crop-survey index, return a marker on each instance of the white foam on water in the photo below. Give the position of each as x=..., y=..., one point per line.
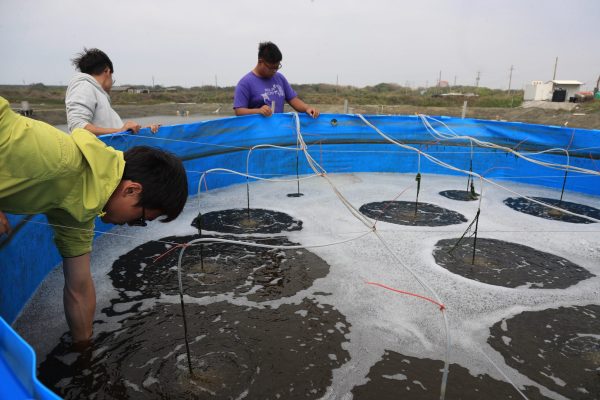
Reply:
x=379, y=319
x=399, y=377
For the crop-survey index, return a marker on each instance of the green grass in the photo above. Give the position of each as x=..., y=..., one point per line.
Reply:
x=381, y=94
x=590, y=106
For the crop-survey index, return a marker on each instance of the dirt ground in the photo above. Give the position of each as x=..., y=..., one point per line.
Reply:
x=578, y=116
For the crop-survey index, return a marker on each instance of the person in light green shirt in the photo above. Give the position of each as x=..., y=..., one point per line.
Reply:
x=74, y=178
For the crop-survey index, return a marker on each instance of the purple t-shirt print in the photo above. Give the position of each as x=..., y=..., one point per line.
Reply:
x=254, y=92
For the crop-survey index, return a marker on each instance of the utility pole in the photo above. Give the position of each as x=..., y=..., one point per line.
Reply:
x=509, y=82
x=153, y=81
x=510, y=78
x=440, y=80
x=555, y=65
x=477, y=79
x=454, y=80
x=216, y=84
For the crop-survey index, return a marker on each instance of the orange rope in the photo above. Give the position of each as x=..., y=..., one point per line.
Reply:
x=442, y=307
x=168, y=251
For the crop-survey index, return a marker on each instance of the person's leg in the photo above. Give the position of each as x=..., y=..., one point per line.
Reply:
x=79, y=296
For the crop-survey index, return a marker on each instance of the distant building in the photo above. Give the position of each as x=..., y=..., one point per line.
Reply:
x=458, y=94
x=119, y=89
x=538, y=90
x=571, y=87
x=443, y=84
x=130, y=89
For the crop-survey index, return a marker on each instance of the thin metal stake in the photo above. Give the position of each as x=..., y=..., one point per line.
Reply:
x=469, y=176
x=462, y=237
x=563, y=187
x=185, y=334
x=201, y=245
x=297, y=173
x=475, y=238
x=418, y=179
x=473, y=193
x=185, y=331
x=298, y=194
x=248, y=195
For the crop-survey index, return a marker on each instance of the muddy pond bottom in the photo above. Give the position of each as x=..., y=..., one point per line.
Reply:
x=298, y=320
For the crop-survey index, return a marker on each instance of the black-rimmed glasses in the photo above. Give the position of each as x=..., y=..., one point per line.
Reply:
x=273, y=67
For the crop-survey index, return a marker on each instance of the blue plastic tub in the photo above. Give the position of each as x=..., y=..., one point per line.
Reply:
x=342, y=143
x=17, y=368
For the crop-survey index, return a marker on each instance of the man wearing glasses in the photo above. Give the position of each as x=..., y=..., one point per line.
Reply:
x=72, y=179
x=88, y=100
x=264, y=91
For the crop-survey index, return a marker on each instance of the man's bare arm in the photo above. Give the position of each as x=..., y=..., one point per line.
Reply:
x=127, y=126
x=301, y=106
x=265, y=111
x=79, y=296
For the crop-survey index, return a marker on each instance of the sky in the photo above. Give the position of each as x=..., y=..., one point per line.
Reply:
x=348, y=42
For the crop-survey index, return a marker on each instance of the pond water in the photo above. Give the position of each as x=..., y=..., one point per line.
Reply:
x=303, y=322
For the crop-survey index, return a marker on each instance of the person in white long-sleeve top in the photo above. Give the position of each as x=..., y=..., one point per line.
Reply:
x=88, y=101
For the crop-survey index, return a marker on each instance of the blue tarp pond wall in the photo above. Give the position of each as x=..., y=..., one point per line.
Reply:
x=340, y=144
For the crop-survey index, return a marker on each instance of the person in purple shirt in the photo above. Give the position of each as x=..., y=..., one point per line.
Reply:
x=264, y=90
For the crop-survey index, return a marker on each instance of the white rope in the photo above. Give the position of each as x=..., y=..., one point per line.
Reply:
x=503, y=374
x=321, y=172
x=203, y=177
x=454, y=136
x=481, y=177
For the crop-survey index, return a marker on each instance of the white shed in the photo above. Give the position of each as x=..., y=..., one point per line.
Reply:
x=538, y=90
x=571, y=87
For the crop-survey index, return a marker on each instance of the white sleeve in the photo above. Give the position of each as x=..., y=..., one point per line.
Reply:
x=81, y=105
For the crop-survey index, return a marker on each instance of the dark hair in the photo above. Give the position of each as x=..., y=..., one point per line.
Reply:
x=92, y=61
x=162, y=176
x=269, y=52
